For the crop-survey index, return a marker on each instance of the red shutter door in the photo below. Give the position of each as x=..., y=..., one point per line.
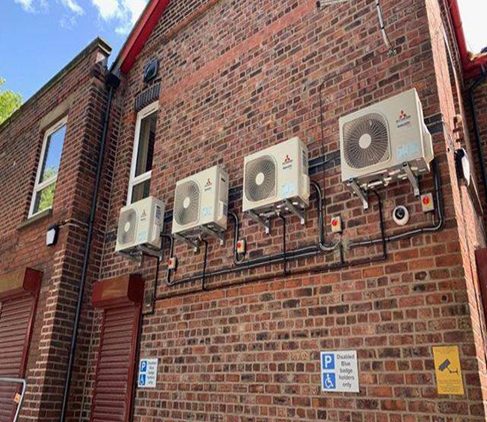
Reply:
x=116, y=364
x=16, y=317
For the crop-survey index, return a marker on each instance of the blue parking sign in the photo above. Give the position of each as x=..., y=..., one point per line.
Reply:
x=328, y=361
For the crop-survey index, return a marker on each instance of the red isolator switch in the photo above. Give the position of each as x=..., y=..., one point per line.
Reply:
x=427, y=202
x=172, y=263
x=336, y=224
x=241, y=246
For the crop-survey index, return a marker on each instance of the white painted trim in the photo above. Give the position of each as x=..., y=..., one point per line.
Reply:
x=135, y=180
x=38, y=186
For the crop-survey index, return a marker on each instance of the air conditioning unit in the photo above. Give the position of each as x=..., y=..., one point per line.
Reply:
x=276, y=179
x=140, y=225
x=384, y=142
x=201, y=203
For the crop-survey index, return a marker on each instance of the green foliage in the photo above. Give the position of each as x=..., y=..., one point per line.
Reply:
x=9, y=102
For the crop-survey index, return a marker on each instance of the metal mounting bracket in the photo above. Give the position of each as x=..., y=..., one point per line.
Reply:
x=296, y=211
x=412, y=179
x=195, y=244
x=359, y=192
x=263, y=222
x=214, y=233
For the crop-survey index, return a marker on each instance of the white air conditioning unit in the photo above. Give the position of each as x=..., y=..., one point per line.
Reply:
x=276, y=179
x=140, y=225
x=384, y=142
x=201, y=203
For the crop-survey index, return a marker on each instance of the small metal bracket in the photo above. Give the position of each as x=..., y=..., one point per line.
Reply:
x=296, y=211
x=195, y=244
x=359, y=192
x=412, y=179
x=263, y=222
x=214, y=233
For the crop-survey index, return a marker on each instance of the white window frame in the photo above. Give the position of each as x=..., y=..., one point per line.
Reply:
x=46, y=183
x=133, y=181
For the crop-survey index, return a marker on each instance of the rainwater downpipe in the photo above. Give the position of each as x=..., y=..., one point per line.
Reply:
x=112, y=82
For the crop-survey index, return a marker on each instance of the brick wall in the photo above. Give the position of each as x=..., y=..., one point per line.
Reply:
x=78, y=91
x=237, y=77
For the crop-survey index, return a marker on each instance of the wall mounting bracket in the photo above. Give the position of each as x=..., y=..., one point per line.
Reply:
x=214, y=233
x=296, y=211
x=352, y=183
x=195, y=244
x=412, y=179
x=264, y=222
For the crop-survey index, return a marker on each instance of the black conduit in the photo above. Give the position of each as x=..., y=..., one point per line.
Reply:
x=284, y=257
x=112, y=82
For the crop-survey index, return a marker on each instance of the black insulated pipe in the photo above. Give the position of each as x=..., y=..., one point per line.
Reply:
x=112, y=83
x=284, y=257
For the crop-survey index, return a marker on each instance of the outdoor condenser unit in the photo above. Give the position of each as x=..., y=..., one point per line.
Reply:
x=201, y=204
x=384, y=142
x=276, y=180
x=140, y=225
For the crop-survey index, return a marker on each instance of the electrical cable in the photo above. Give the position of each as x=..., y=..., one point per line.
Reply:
x=391, y=50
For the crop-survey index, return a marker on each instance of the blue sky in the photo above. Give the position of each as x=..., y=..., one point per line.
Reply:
x=39, y=37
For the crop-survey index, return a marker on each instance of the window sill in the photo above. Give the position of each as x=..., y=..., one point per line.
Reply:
x=34, y=219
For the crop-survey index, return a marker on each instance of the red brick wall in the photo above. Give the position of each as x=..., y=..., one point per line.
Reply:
x=240, y=76
x=81, y=87
x=480, y=94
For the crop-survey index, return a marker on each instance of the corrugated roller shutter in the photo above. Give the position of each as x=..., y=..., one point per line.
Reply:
x=116, y=365
x=15, y=326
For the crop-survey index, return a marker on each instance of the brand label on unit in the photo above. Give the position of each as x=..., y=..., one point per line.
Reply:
x=287, y=163
x=148, y=373
x=339, y=372
x=404, y=119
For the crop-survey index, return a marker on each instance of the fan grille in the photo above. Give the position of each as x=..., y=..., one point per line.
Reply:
x=186, y=207
x=260, y=178
x=127, y=227
x=366, y=141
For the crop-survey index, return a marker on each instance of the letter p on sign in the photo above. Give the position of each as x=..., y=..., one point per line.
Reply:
x=328, y=361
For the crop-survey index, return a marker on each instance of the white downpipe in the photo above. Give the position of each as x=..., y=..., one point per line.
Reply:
x=21, y=381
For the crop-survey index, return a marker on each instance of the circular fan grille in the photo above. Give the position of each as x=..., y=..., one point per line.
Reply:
x=186, y=206
x=260, y=179
x=366, y=141
x=127, y=227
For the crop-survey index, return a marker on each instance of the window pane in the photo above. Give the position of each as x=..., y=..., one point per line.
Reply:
x=141, y=191
x=52, y=156
x=44, y=198
x=147, y=137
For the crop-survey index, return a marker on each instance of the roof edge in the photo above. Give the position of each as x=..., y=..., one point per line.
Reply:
x=96, y=43
x=139, y=35
x=473, y=64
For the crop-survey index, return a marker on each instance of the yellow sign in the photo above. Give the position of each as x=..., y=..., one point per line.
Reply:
x=448, y=370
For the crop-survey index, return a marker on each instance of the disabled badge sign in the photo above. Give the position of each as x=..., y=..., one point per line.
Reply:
x=339, y=372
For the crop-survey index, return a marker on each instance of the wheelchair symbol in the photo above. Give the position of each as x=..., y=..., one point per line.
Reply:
x=329, y=381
